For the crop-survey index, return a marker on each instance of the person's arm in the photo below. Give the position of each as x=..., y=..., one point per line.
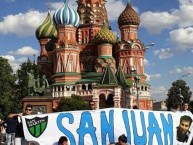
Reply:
x=14, y=115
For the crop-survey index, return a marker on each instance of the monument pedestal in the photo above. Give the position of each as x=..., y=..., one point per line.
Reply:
x=41, y=104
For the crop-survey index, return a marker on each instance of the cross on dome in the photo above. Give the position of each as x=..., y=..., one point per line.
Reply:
x=65, y=1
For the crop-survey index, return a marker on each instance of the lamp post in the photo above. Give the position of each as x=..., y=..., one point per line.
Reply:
x=181, y=97
x=137, y=79
x=148, y=46
x=184, y=75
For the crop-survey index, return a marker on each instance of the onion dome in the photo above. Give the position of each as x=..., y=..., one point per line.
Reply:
x=129, y=16
x=46, y=29
x=66, y=16
x=105, y=36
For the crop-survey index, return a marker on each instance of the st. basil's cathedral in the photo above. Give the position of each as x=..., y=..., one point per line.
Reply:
x=80, y=55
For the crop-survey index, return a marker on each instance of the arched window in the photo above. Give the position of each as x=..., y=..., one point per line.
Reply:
x=73, y=88
x=102, y=101
x=89, y=86
x=110, y=101
x=83, y=87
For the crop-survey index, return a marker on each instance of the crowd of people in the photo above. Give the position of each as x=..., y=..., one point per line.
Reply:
x=11, y=129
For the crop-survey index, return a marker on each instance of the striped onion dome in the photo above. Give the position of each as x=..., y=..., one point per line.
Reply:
x=46, y=29
x=105, y=36
x=129, y=16
x=66, y=16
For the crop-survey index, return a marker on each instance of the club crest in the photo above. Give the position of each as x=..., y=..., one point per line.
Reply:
x=36, y=126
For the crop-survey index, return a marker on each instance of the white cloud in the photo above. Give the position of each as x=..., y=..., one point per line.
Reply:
x=159, y=93
x=15, y=63
x=114, y=9
x=156, y=22
x=147, y=63
x=185, y=2
x=22, y=24
x=184, y=13
x=182, y=38
x=155, y=76
x=26, y=50
x=163, y=53
x=184, y=70
x=158, y=90
x=176, y=70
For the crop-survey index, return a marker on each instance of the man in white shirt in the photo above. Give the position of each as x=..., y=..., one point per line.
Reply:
x=184, y=109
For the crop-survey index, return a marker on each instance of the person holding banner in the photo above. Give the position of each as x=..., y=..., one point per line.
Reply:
x=92, y=105
x=11, y=123
x=183, y=128
x=19, y=136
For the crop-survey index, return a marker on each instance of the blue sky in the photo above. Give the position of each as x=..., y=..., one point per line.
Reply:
x=167, y=23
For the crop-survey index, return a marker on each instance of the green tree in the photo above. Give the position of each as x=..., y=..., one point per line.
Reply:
x=73, y=103
x=178, y=93
x=7, y=88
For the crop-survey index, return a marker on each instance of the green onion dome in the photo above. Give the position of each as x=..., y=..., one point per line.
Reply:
x=46, y=29
x=128, y=17
x=105, y=36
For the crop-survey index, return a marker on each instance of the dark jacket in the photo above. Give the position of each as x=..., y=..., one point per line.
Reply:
x=11, y=125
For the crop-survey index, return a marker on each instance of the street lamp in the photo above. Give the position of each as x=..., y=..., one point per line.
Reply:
x=137, y=79
x=148, y=45
x=184, y=75
x=181, y=96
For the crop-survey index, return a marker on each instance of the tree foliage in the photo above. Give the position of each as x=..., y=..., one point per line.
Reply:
x=178, y=93
x=73, y=103
x=7, y=88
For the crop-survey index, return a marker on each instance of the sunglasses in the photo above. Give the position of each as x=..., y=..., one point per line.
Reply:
x=28, y=109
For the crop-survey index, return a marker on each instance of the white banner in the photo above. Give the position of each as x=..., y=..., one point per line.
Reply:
x=100, y=127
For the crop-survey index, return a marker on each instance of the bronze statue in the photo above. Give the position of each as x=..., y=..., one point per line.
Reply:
x=43, y=82
x=36, y=86
x=31, y=83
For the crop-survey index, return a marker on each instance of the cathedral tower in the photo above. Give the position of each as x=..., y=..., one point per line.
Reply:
x=66, y=64
x=92, y=16
x=46, y=33
x=130, y=54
